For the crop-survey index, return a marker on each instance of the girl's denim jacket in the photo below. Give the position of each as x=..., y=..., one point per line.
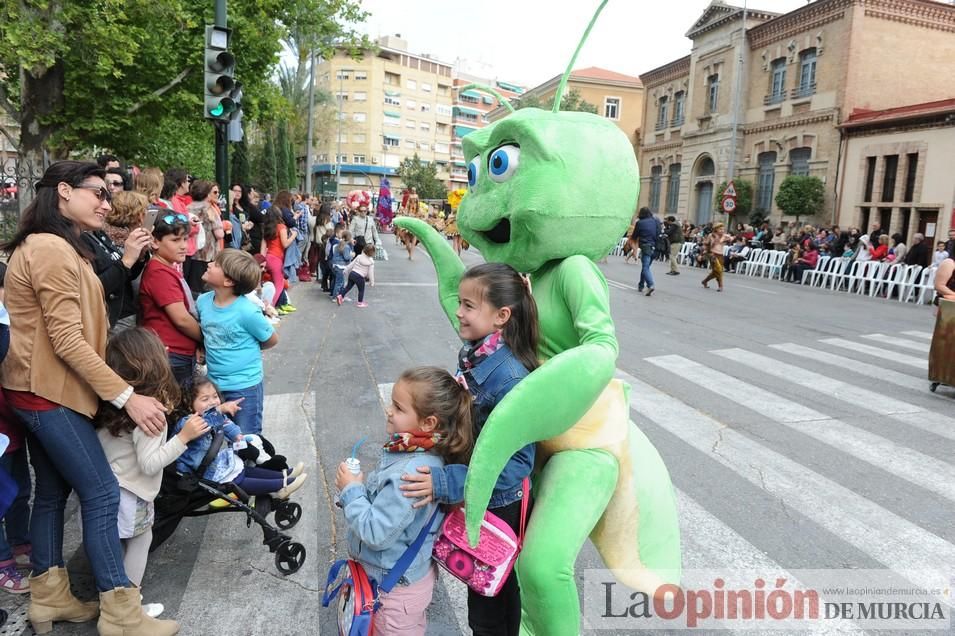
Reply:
x=381, y=521
x=343, y=258
x=225, y=462
x=489, y=382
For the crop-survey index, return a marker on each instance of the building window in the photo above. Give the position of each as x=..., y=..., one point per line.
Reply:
x=392, y=119
x=888, y=179
x=344, y=180
x=410, y=144
x=662, y=113
x=673, y=188
x=342, y=158
x=358, y=117
x=679, y=105
x=443, y=89
x=341, y=75
x=869, y=178
x=411, y=85
x=712, y=94
x=392, y=79
x=423, y=145
x=392, y=142
x=360, y=96
x=410, y=123
x=361, y=75
x=425, y=126
x=392, y=101
x=359, y=158
x=911, y=170
x=468, y=99
x=807, y=73
x=412, y=105
x=425, y=86
x=322, y=158
x=358, y=138
x=799, y=161
x=777, y=86
x=425, y=108
x=443, y=109
x=767, y=177
x=440, y=147
x=656, y=182
x=342, y=97
x=612, y=107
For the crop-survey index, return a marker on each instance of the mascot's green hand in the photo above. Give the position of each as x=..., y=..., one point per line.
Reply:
x=447, y=264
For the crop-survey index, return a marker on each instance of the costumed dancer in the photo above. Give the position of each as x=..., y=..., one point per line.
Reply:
x=601, y=476
x=384, y=213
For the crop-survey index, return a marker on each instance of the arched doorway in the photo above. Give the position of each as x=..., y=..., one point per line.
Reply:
x=703, y=185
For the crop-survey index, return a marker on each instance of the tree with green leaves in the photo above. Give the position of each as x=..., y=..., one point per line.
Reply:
x=265, y=168
x=240, y=163
x=572, y=101
x=744, y=199
x=292, y=166
x=423, y=176
x=281, y=156
x=113, y=74
x=801, y=196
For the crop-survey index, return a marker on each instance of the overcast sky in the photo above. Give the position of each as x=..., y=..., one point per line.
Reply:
x=530, y=41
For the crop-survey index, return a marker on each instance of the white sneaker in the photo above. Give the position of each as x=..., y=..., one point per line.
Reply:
x=296, y=470
x=153, y=610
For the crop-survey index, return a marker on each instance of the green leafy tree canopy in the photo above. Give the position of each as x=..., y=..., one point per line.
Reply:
x=572, y=101
x=801, y=196
x=744, y=199
x=423, y=176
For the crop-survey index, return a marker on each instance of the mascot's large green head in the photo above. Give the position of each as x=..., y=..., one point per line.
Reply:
x=547, y=185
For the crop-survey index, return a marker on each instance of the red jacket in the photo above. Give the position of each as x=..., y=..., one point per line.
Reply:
x=879, y=253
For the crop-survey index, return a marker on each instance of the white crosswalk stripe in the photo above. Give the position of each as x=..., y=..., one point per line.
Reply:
x=918, y=334
x=853, y=366
x=876, y=352
x=898, y=342
x=886, y=537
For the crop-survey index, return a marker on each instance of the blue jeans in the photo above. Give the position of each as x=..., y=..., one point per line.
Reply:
x=66, y=455
x=15, y=529
x=338, y=275
x=646, y=259
x=249, y=419
x=183, y=368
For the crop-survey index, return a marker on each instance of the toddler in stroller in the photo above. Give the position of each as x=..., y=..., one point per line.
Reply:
x=267, y=476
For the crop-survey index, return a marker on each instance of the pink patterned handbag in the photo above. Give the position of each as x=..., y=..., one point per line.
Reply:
x=485, y=568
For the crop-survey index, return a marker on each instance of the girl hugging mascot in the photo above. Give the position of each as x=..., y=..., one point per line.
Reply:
x=601, y=477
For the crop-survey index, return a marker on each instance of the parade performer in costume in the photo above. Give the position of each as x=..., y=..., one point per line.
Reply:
x=384, y=212
x=531, y=188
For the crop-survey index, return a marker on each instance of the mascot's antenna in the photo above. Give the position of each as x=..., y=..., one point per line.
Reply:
x=487, y=89
x=570, y=67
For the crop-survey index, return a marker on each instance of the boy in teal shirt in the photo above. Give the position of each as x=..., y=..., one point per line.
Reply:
x=235, y=333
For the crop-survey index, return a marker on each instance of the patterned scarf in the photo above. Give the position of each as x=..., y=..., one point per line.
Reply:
x=413, y=442
x=474, y=353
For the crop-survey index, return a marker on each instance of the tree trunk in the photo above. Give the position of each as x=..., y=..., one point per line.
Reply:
x=41, y=100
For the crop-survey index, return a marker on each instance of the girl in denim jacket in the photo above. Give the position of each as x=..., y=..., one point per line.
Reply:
x=341, y=255
x=498, y=324
x=429, y=423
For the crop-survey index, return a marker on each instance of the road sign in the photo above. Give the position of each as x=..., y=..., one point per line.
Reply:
x=729, y=204
x=730, y=190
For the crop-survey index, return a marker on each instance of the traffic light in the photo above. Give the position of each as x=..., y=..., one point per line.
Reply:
x=235, y=132
x=219, y=75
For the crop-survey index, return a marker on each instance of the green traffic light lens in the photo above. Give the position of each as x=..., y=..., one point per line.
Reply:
x=217, y=111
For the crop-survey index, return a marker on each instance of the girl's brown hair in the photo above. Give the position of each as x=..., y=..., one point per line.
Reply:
x=138, y=356
x=189, y=395
x=436, y=392
x=128, y=209
x=149, y=182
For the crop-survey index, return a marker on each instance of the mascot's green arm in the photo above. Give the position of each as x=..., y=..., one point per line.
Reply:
x=555, y=396
x=447, y=264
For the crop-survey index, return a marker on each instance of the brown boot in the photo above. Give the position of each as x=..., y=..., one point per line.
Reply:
x=51, y=600
x=121, y=614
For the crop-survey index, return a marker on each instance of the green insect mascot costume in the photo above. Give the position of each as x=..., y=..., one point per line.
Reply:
x=550, y=193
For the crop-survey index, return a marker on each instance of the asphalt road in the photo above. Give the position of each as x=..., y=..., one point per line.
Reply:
x=796, y=423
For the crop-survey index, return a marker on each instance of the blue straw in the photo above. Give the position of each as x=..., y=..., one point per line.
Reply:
x=354, y=450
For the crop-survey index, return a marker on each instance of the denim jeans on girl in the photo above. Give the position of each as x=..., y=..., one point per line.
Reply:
x=249, y=418
x=183, y=368
x=339, y=280
x=67, y=455
x=15, y=528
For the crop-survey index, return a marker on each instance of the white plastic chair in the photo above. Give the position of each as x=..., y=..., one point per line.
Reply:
x=813, y=274
x=774, y=266
x=837, y=269
x=872, y=280
x=757, y=258
x=906, y=286
x=618, y=248
x=925, y=286
x=856, y=271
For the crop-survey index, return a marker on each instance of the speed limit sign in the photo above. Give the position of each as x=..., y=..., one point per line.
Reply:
x=729, y=204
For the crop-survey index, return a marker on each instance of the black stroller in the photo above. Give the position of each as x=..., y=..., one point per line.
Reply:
x=187, y=495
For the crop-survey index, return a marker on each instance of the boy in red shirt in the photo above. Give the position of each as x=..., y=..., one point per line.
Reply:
x=166, y=304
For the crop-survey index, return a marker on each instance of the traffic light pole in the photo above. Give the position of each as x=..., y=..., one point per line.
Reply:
x=221, y=128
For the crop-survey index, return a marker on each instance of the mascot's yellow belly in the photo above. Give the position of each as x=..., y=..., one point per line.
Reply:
x=606, y=426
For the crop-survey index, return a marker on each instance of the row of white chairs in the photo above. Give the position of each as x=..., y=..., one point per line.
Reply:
x=912, y=283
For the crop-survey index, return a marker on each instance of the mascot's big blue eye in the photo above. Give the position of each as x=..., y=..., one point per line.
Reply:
x=502, y=163
x=474, y=169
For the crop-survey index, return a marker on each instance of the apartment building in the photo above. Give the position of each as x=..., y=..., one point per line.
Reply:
x=469, y=113
x=767, y=93
x=616, y=96
x=391, y=104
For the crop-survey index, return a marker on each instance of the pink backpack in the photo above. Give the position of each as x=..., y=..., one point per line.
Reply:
x=485, y=568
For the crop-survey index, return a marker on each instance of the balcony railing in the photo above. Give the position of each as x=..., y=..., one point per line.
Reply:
x=803, y=91
x=774, y=98
x=677, y=122
x=661, y=125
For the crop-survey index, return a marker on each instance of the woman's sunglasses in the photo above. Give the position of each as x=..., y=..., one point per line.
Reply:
x=101, y=192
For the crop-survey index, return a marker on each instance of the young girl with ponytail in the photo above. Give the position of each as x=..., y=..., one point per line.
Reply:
x=429, y=424
x=498, y=324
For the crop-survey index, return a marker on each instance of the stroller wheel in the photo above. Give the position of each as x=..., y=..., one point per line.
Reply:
x=287, y=514
x=289, y=557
